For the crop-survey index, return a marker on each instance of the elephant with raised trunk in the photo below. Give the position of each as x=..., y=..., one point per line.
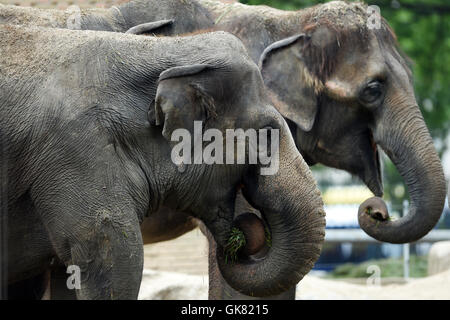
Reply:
x=87, y=119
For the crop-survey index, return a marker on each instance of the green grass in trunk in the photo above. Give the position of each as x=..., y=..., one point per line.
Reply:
x=235, y=242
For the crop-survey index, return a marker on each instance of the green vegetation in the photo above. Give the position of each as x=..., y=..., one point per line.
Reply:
x=235, y=242
x=268, y=237
x=390, y=268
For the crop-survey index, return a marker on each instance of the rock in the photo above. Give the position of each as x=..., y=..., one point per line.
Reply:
x=439, y=257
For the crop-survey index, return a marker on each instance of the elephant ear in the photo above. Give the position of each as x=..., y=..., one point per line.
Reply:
x=286, y=75
x=150, y=27
x=181, y=100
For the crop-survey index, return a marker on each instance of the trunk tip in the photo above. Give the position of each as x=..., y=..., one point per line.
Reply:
x=373, y=208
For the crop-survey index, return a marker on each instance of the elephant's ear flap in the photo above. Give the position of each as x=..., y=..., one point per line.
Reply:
x=150, y=27
x=286, y=75
x=181, y=100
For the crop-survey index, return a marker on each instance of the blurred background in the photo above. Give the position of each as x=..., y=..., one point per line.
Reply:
x=423, y=31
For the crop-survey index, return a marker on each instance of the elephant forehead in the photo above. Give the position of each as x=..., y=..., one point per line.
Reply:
x=355, y=67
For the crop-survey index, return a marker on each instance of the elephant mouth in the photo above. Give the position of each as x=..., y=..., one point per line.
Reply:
x=375, y=185
x=251, y=238
x=370, y=173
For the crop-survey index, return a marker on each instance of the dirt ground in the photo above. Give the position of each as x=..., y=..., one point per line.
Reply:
x=160, y=285
x=178, y=269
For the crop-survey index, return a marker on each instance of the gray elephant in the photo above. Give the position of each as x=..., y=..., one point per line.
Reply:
x=87, y=120
x=354, y=93
x=134, y=17
x=348, y=91
x=344, y=90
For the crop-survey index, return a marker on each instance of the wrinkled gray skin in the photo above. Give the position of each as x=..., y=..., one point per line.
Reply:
x=346, y=100
x=188, y=17
x=343, y=95
x=88, y=156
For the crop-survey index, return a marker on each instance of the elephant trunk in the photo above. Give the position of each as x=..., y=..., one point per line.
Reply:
x=403, y=135
x=292, y=208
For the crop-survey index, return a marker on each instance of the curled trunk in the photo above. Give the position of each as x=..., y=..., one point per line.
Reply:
x=403, y=135
x=292, y=208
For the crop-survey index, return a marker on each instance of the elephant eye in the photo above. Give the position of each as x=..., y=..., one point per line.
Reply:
x=372, y=92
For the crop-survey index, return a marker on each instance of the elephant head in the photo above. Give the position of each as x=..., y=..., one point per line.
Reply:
x=288, y=198
x=346, y=90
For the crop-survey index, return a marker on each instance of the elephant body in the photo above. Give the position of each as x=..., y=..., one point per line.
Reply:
x=344, y=89
x=87, y=119
x=190, y=17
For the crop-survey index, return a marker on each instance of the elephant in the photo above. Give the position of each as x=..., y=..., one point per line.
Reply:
x=349, y=91
x=345, y=90
x=87, y=125
x=135, y=17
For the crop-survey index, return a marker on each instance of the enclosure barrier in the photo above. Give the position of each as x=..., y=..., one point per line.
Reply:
x=359, y=236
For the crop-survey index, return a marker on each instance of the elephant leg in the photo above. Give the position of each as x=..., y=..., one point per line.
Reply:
x=57, y=288
x=47, y=282
x=28, y=289
x=50, y=285
x=107, y=266
x=219, y=288
x=99, y=240
x=110, y=265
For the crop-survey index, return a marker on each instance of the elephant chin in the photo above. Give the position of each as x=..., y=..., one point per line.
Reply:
x=371, y=176
x=254, y=232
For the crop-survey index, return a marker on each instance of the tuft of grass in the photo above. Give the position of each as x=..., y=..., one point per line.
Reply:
x=390, y=268
x=235, y=242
